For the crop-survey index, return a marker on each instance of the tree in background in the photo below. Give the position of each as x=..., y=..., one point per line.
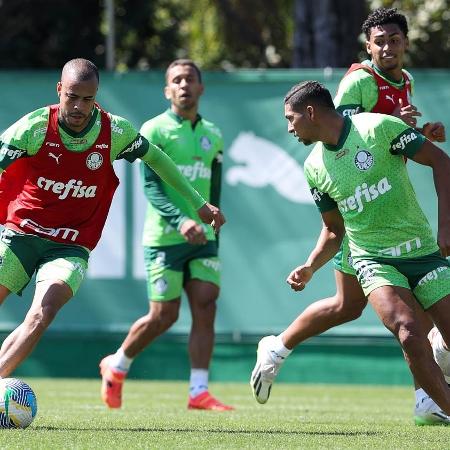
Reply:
x=47, y=33
x=218, y=34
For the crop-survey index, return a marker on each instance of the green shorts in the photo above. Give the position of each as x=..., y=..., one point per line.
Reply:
x=343, y=261
x=169, y=267
x=428, y=277
x=21, y=255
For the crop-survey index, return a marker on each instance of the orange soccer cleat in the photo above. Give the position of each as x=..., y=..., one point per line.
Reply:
x=206, y=401
x=112, y=383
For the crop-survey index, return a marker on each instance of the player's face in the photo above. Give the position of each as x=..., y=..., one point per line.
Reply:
x=299, y=125
x=183, y=87
x=76, y=100
x=387, y=46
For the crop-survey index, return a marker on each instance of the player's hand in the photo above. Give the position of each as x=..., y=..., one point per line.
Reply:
x=298, y=278
x=443, y=241
x=193, y=232
x=211, y=215
x=407, y=113
x=434, y=131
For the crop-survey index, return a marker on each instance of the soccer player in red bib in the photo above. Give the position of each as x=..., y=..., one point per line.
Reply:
x=56, y=186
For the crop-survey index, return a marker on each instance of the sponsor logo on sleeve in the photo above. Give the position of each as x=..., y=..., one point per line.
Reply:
x=11, y=154
x=400, y=142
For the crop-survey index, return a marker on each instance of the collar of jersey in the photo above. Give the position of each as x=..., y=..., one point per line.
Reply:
x=83, y=132
x=390, y=80
x=180, y=119
x=342, y=137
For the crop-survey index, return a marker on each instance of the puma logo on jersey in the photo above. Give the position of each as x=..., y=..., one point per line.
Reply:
x=52, y=155
x=364, y=193
x=391, y=98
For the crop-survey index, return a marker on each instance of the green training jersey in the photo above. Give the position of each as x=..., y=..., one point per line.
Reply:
x=358, y=91
x=197, y=151
x=26, y=136
x=365, y=176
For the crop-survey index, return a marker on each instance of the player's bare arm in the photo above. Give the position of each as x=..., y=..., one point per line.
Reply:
x=432, y=156
x=327, y=245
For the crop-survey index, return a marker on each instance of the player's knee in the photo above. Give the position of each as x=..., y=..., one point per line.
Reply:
x=410, y=336
x=348, y=310
x=164, y=319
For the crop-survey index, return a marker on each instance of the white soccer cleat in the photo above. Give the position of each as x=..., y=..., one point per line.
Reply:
x=441, y=355
x=265, y=371
x=427, y=412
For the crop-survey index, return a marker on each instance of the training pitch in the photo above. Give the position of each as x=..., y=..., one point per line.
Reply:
x=154, y=416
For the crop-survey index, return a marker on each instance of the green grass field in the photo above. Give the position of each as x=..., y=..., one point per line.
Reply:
x=154, y=416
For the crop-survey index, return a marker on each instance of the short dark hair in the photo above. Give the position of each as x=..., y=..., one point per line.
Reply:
x=382, y=16
x=184, y=62
x=308, y=91
x=82, y=68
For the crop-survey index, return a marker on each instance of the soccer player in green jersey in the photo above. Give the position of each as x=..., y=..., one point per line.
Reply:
x=55, y=217
x=358, y=178
x=377, y=85
x=180, y=252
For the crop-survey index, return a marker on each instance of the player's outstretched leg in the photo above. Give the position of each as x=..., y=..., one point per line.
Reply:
x=112, y=383
x=268, y=363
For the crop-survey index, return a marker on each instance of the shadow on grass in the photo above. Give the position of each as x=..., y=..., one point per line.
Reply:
x=214, y=430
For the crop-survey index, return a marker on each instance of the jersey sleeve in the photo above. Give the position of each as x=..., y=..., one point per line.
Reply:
x=323, y=201
x=357, y=92
x=169, y=173
x=402, y=139
x=24, y=137
x=126, y=142
x=154, y=192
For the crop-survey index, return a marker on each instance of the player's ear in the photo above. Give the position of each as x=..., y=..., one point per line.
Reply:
x=58, y=88
x=167, y=92
x=368, y=49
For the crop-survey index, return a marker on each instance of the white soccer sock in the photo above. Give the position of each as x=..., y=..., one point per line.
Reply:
x=198, y=382
x=420, y=394
x=281, y=351
x=120, y=361
x=441, y=355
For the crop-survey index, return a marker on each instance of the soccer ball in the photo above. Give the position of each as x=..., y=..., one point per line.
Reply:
x=18, y=405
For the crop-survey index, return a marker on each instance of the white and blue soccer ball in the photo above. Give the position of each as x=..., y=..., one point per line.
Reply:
x=18, y=405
